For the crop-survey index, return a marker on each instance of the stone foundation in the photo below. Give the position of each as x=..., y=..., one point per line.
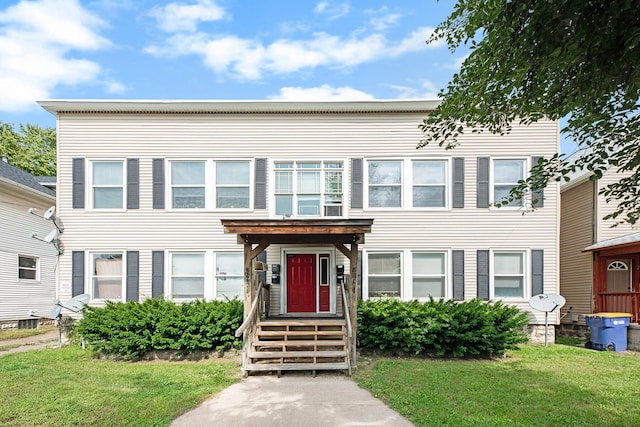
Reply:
x=536, y=334
x=32, y=323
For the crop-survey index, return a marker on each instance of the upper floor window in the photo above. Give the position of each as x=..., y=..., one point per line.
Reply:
x=107, y=184
x=509, y=274
x=385, y=184
x=506, y=174
x=27, y=267
x=107, y=276
x=429, y=274
x=308, y=188
x=188, y=184
x=429, y=184
x=233, y=181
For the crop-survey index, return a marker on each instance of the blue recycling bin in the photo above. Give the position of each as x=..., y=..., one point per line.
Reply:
x=608, y=331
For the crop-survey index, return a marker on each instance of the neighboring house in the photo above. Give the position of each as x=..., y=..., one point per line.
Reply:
x=600, y=264
x=176, y=198
x=27, y=265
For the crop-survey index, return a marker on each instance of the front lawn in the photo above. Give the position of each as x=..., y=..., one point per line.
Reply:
x=557, y=385
x=67, y=387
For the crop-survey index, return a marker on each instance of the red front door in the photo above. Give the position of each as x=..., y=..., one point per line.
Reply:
x=301, y=283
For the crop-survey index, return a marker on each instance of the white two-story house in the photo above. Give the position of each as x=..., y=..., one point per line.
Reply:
x=177, y=198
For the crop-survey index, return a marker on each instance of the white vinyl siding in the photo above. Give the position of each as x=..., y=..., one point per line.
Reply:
x=107, y=276
x=107, y=184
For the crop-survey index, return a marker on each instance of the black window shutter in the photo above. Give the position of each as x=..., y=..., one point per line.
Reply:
x=458, y=275
x=158, y=183
x=483, y=274
x=77, y=179
x=537, y=271
x=260, y=189
x=157, y=273
x=356, y=183
x=77, y=273
x=133, y=267
x=133, y=184
x=458, y=182
x=483, y=183
x=537, y=197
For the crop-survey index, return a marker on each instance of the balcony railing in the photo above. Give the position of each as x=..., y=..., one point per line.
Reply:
x=619, y=302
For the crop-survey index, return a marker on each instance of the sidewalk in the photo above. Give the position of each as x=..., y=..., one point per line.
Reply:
x=48, y=339
x=293, y=400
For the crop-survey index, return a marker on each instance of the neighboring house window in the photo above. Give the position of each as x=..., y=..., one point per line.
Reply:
x=429, y=183
x=233, y=180
x=107, y=184
x=308, y=188
x=27, y=267
x=384, y=274
x=107, y=276
x=187, y=275
x=188, y=185
x=229, y=275
x=385, y=184
x=506, y=174
x=429, y=274
x=509, y=274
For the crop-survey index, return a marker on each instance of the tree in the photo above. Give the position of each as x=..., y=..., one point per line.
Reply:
x=32, y=148
x=531, y=59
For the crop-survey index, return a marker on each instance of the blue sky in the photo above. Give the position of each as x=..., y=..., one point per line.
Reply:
x=218, y=49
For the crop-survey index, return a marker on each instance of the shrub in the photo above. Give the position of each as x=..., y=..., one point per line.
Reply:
x=447, y=328
x=133, y=329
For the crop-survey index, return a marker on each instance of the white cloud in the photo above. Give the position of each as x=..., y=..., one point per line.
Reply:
x=426, y=90
x=383, y=22
x=321, y=93
x=250, y=59
x=175, y=17
x=35, y=39
x=332, y=11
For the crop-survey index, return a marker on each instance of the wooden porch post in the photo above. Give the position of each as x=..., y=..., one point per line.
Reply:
x=353, y=298
x=248, y=280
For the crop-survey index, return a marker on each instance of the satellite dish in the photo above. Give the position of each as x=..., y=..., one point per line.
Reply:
x=49, y=213
x=76, y=303
x=53, y=234
x=547, y=302
x=55, y=313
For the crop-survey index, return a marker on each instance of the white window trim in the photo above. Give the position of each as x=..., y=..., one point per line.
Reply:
x=90, y=193
x=406, y=183
x=37, y=269
x=526, y=272
x=89, y=277
x=272, y=185
x=526, y=199
x=448, y=272
x=210, y=286
x=210, y=185
x=365, y=271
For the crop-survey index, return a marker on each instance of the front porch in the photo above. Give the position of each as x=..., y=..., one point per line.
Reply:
x=316, y=335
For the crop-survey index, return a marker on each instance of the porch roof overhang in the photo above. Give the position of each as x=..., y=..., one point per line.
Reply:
x=627, y=244
x=298, y=231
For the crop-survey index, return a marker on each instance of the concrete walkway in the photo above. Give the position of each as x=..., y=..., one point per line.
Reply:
x=48, y=339
x=293, y=400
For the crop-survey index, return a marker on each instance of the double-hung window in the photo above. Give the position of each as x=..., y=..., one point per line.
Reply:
x=429, y=274
x=229, y=275
x=385, y=184
x=308, y=188
x=205, y=274
x=506, y=174
x=384, y=274
x=429, y=183
x=27, y=267
x=509, y=274
x=107, y=276
x=233, y=179
x=188, y=184
x=187, y=275
x=107, y=184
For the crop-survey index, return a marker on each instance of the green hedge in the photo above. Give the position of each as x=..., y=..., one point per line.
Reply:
x=472, y=328
x=134, y=329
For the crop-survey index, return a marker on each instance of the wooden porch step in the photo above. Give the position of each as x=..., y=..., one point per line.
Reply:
x=302, y=322
x=299, y=343
x=290, y=333
x=336, y=366
x=296, y=354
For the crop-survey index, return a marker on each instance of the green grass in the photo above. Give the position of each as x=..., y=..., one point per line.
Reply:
x=557, y=385
x=66, y=387
x=12, y=334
